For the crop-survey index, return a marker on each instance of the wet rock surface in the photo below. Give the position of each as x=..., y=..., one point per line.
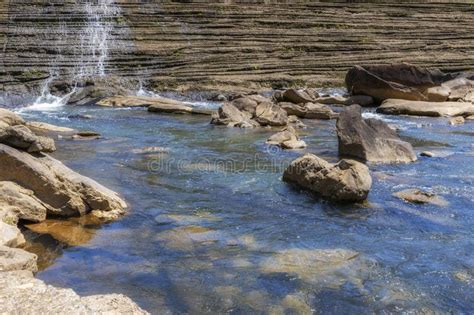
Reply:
x=370, y=139
x=287, y=139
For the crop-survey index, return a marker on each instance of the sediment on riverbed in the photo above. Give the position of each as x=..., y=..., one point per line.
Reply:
x=249, y=44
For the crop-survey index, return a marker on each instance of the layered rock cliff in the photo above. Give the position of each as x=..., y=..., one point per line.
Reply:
x=194, y=44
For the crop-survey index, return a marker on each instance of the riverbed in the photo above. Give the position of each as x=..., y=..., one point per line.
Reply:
x=213, y=229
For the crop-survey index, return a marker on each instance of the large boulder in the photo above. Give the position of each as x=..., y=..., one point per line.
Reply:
x=461, y=89
x=287, y=139
x=346, y=181
x=20, y=203
x=16, y=259
x=370, y=139
x=65, y=192
x=308, y=110
x=22, y=293
x=432, y=109
x=21, y=137
x=400, y=81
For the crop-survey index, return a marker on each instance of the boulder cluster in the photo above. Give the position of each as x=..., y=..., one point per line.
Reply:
x=34, y=186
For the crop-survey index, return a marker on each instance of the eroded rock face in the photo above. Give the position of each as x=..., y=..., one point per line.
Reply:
x=21, y=137
x=39, y=298
x=370, y=139
x=287, y=139
x=362, y=100
x=346, y=181
x=268, y=114
x=308, y=110
x=43, y=128
x=432, y=109
x=65, y=192
x=399, y=81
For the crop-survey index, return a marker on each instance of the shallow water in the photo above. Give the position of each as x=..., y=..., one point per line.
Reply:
x=213, y=229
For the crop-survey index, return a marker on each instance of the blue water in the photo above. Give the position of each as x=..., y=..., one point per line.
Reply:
x=208, y=216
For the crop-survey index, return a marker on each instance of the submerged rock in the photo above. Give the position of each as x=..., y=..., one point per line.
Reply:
x=39, y=298
x=308, y=110
x=21, y=137
x=69, y=232
x=65, y=192
x=419, y=196
x=370, y=139
x=427, y=154
x=287, y=139
x=432, y=109
x=346, y=181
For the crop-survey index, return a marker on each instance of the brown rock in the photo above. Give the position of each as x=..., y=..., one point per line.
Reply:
x=64, y=191
x=346, y=181
x=287, y=139
x=362, y=100
x=308, y=110
x=21, y=203
x=21, y=137
x=438, y=93
x=370, y=139
x=178, y=109
x=8, y=118
x=41, y=127
x=297, y=96
x=268, y=114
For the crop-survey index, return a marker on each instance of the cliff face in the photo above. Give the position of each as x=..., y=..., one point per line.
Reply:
x=246, y=43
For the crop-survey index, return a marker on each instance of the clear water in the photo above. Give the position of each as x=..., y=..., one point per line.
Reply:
x=209, y=219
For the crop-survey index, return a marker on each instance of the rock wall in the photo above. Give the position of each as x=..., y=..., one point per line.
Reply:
x=199, y=44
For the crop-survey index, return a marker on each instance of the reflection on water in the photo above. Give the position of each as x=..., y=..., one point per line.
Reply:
x=201, y=238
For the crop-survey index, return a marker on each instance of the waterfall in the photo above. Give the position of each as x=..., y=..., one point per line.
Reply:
x=95, y=37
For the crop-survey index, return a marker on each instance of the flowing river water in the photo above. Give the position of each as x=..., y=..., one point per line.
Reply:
x=213, y=229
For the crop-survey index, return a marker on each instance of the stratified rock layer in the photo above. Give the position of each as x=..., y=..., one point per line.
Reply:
x=227, y=43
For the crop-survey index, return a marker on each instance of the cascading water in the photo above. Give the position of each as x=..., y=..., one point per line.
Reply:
x=92, y=51
x=95, y=38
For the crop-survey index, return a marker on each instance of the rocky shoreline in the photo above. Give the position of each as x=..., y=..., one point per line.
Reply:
x=34, y=186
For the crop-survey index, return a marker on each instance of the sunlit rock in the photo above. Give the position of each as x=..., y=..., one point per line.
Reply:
x=16, y=259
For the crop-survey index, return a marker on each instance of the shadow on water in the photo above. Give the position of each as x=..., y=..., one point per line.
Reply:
x=213, y=229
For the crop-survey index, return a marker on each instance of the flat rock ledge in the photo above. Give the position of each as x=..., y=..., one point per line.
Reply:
x=431, y=109
x=22, y=293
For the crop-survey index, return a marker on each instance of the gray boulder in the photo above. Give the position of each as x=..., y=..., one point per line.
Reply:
x=370, y=139
x=346, y=181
